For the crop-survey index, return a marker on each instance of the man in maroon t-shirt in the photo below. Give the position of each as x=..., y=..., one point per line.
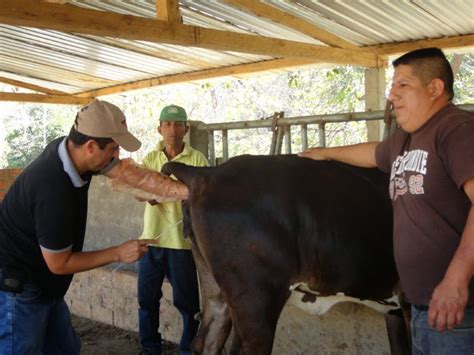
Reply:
x=430, y=159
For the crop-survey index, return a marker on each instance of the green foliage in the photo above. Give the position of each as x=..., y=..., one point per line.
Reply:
x=28, y=136
x=464, y=81
x=25, y=129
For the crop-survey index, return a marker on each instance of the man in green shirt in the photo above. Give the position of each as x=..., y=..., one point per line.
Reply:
x=171, y=255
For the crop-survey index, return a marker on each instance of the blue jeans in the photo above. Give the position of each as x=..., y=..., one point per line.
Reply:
x=179, y=268
x=426, y=340
x=33, y=323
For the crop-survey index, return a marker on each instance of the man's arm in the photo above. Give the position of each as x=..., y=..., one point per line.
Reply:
x=69, y=262
x=150, y=181
x=451, y=295
x=362, y=154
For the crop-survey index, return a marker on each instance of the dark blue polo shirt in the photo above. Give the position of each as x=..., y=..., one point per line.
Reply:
x=46, y=207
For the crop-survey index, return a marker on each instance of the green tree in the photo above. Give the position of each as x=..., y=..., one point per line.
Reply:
x=464, y=81
x=29, y=137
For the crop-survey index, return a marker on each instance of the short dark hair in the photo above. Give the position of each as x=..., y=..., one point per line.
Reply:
x=78, y=139
x=429, y=64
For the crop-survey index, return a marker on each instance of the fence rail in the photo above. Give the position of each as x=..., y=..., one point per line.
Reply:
x=283, y=128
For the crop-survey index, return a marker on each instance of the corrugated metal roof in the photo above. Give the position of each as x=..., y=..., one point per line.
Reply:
x=77, y=63
x=379, y=22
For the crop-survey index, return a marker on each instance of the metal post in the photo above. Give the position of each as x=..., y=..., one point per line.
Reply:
x=275, y=129
x=212, y=151
x=304, y=136
x=288, y=139
x=225, y=145
x=279, y=141
x=322, y=135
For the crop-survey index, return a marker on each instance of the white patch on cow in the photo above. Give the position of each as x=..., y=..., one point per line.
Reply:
x=323, y=303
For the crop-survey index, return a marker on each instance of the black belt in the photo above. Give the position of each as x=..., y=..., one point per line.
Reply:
x=421, y=308
x=11, y=281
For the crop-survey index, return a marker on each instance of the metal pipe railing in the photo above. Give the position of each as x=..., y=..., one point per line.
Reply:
x=285, y=128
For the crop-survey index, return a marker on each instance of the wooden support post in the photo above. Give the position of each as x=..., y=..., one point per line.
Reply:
x=168, y=10
x=374, y=101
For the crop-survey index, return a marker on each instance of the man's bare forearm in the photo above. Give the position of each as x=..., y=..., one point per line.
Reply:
x=362, y=154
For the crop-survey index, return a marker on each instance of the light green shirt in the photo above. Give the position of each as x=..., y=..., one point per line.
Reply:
x=164, y=220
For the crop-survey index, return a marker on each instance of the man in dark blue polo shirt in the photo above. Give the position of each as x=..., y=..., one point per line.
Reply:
x=42, y=227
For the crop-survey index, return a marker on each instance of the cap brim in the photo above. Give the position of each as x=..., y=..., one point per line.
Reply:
x=173, y=119
x=128, y=142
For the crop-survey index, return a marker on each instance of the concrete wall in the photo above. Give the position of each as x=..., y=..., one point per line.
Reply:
x=109, y=295
x=113, y=218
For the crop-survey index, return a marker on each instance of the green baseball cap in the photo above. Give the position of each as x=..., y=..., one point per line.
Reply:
x=173, y=113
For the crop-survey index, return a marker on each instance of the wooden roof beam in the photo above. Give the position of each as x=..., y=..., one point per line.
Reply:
x=272, y=13
x=45, y=99
x=168, y=10
x=72, y=19
x=448, y=42
x=199, y=75
x=444, y=42
x=33, y=87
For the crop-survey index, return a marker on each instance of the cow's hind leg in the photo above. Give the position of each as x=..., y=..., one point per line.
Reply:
x=397, y=333
x=254, y=316
x=398, y=327
x=215, y=320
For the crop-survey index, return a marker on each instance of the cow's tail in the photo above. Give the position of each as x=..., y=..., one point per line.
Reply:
x=183, y=172
x=187, y=174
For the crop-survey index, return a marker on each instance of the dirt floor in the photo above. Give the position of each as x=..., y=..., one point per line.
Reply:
x=104, y=339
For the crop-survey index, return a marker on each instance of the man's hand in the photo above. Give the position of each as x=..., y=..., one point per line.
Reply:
x=133, y=250
x=450, y=297
x=68, y=262
x=447, y=305
x=362, y=154
x=316, y=153
x=151, y=202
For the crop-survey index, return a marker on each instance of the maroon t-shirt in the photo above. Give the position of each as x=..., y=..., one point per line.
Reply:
x=427, y=171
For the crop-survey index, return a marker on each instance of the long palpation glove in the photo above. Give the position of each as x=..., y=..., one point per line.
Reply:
x=145, y=183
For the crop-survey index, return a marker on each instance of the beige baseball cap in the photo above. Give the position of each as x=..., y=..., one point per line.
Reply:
x=101, y=119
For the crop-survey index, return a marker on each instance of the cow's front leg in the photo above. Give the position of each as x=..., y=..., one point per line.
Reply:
x=216, y=322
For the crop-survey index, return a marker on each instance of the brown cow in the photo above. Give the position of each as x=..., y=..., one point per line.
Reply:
x=262, y=225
